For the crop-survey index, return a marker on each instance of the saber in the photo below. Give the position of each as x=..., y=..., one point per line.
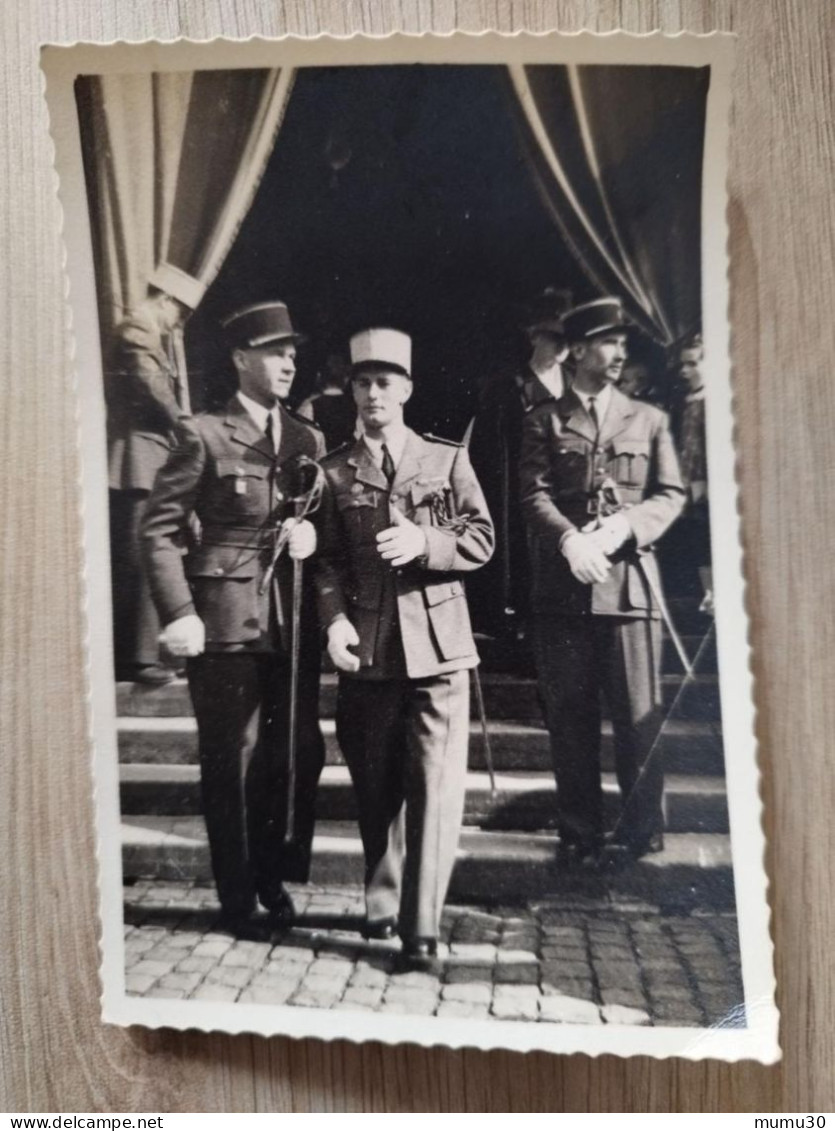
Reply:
x=292, y=738
x=485, y=733
x=305, y=502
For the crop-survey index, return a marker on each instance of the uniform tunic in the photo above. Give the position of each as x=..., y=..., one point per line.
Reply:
x=142, y=415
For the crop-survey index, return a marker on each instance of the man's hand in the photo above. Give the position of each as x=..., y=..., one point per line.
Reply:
x=342, y=637
x=611, y=533
x=401, y=543
x=587, y=561
x=185, y=636
x=302, y=540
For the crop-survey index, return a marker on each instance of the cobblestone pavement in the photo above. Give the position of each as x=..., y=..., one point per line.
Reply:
x=567, y=960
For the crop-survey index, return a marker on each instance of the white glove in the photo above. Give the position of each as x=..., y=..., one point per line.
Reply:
x=302, y=541
x=185, y=636
x=587, y=561
x=401, y=543
x=342, y=637
x=611, y=534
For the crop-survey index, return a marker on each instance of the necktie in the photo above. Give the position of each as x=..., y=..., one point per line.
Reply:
x=388, y=465
x=270, y=433
x=593, y=415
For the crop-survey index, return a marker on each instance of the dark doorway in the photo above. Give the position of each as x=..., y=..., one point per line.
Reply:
x=394, y=195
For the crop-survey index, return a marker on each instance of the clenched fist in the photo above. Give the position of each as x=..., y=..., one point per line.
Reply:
x=302, y=541
x=185, y=636
x=342, y=637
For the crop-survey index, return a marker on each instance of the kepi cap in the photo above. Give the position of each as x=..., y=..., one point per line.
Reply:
x=593, y=318
x=176, y=283
x=382, y=347
x=259, y=325
x=547, y=311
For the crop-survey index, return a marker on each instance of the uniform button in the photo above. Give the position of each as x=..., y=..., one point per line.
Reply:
x=217, y=573
x=394, y=498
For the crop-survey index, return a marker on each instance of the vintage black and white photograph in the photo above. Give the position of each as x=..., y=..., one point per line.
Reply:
x=420, y=698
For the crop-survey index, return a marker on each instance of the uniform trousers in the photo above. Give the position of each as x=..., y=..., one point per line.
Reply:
x=581, y=660
x=405, y=742
x=241, y=701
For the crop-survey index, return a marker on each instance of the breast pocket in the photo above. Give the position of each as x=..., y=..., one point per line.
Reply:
x=244, y=487
x=570, y=464
x=358, y=511
x=430, y=501
x=630, y=462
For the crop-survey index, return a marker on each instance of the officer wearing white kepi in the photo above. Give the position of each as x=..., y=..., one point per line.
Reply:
x=403, y=519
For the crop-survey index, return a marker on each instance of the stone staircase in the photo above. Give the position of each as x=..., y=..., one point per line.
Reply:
x=507, y=848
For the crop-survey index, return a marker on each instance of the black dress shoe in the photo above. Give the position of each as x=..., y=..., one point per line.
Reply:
x=279, y=905
x=252, y=927
x=419, y=954
x=154, y=675
x=636, y=847
x=382, y=929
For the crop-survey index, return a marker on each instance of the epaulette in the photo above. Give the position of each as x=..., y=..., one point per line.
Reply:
x=541, y=404
x=296, y=415
x=441, y=440
x=337, y=451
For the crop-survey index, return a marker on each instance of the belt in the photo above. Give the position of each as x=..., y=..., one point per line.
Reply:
x=243, y=537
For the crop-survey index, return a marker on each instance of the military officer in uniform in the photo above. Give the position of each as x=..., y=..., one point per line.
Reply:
x=237, y=470
x=402, y=521
x=600, y=483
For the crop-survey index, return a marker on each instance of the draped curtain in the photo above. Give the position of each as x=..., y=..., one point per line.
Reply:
x=616, y=153
x=172, y=164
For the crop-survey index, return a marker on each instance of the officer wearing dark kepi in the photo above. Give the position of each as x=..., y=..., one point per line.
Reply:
x=238, y=470
x=600, y=483
x=403, y=518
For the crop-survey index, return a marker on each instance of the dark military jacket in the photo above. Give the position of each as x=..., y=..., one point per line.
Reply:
x=224, y=472
x=142, y=406
x=411, y=621
x=562, y=465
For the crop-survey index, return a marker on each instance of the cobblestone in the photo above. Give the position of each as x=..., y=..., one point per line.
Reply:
x=578, y=960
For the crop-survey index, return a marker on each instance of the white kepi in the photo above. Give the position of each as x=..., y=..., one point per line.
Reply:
x=383, y=347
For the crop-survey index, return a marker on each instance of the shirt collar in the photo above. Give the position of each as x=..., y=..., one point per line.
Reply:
x=395, y=441
x=259, y=414
x=601, y=400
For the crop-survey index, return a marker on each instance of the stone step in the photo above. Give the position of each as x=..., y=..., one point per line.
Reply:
x=687, y=747
x=522, y=801
x=693, y=870
x=505, y=697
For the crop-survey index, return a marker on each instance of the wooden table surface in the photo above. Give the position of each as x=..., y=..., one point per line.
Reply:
x=55, y=1055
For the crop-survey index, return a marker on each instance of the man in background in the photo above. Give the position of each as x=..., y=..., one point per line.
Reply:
x=500, y=594
x=689, y=551
x=332, y=407
x=145, y=405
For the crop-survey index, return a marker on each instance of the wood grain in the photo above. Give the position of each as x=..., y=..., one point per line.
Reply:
x=55, y=1055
